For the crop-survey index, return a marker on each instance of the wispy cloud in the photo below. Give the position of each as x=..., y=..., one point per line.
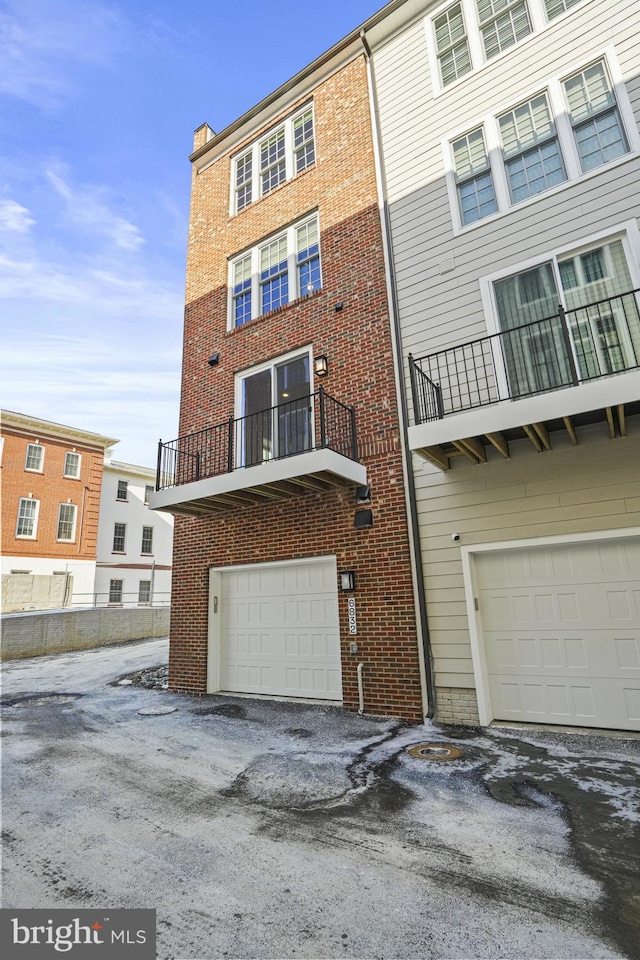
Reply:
x=14, y=218
x=86, y=207
x=42, y=40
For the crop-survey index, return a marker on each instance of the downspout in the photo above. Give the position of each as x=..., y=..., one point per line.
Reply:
x=360, y=688
x=409, y=479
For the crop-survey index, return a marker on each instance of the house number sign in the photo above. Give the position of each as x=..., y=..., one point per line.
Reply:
x=351, y=607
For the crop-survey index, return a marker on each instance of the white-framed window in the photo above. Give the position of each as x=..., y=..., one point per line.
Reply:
x=592, y=283
x=35, y=457
x=115, y=591
x=281, y=154
x=119, y=537
x=72, y=462
x=282, y=268
x=561, y=133
x=465, y=35
x=148, y=490
x=123, y=490
x=27, y=523
x=147, y=540
x=66, y=527
x=144, y=591
x=274, y=399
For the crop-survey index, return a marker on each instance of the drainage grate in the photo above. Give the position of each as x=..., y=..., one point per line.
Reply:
x=434, y=751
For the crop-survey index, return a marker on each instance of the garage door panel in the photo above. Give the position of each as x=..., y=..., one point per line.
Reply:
x=560, y=631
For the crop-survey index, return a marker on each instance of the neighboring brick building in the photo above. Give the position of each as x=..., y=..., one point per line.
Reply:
x=273, y=499
x=51, y=479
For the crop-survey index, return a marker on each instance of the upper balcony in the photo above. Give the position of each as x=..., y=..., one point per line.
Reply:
x=304, y=444
x=557, y=373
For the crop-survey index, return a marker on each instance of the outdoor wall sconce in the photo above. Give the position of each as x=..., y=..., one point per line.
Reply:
x=321, y=366
x=363, y=495
x=214, y=360
x=338, y=306
x=363, y=519
x=347, y=581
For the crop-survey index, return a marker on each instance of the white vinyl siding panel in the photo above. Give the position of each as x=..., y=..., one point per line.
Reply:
x=568, y=491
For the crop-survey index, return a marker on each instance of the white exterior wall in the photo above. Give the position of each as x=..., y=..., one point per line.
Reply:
x=568, y=491
x=82, y=571
x=132, y=566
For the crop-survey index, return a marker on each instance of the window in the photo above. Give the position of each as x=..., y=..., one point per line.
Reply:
x=72, y=465
x=564, y=132
x=119, y=537
x=123, y=490
x=474, y=183
x=530, y=149
x=66, y=521
x=280, y=155
x=144, y=591
x=275, y=402
x=452, y=46
x=282, y=269
x=555, y=7
x=115, y=591
x=35, y=457
x=147, y=540
x=148, y=490
x=595, y=120
x=502, y=23
x=27, y=517
x=602, y=318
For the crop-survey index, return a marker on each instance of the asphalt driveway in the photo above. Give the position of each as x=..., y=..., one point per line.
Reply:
x=269, y=830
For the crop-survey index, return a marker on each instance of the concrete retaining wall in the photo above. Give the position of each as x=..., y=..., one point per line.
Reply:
x=21, y=591
x=35, y=634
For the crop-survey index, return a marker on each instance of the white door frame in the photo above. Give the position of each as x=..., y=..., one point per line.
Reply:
x=468, y=571
x=214, y=606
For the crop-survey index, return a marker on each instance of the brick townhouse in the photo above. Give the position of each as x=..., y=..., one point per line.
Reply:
x=292, y=567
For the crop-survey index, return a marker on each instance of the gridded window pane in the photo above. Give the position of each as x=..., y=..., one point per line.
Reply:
x=274, y=279
x=119, y=535
x=594, y=116
x=144, y=591
x=242, y=291
x=123, y=490
x=66, y=521
x=72, y=464
x=532, y=155
x=147, y=540
x=556, y=7
x=476, y=195
x=272, y=162
x=35, y=456
x=115, y=591
x=502, y=23
x=27, y=511
x=308, y=257
x=452, y=45
x=148, y=490
x=303, y=142
x=244, y=168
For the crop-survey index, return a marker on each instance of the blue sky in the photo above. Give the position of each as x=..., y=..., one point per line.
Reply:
x=98, y=104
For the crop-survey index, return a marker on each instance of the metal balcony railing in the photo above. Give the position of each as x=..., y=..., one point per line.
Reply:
x=312, y=422
x=572, y=347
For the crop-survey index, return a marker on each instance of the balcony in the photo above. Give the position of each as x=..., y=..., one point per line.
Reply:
x=305, y=444
x=558, y=373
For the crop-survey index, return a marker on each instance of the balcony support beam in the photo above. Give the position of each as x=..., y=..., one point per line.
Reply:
x=621, y=420
x=500, y=443
x=476, y=448
x=543, y=433
x=437, y=456
x=461, y=445
x=571, y=430
x=533, y=436
x=611, y=423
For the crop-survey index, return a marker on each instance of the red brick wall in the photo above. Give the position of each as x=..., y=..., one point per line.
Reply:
x=51, y=488
x=357, y=341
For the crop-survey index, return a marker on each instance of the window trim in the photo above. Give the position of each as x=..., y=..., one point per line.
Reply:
x=72, y=476
x=539, y=22
x=120, y=499
x=123, y=537
x=568, y=148
x=118, y=602
x=143, y=552
x=72, y=538
x=254, y=150
x=41, y=448
x=141, y=602
x=149, y=488
x=294, y=293
x=28, y=536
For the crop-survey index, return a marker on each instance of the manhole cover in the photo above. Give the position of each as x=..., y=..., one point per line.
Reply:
x=434, y=751
x=156, y=711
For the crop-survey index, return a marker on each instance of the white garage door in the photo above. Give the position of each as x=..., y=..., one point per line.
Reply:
x=278, y=632
x=561, y=633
